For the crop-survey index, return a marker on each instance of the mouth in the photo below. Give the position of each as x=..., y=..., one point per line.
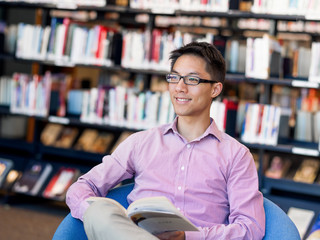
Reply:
x=183, y=100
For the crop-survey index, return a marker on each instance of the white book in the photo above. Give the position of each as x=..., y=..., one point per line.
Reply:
x=164, y=108
x=153, y=108
x=234, y=55
x=304, y=61
x=245, y=132
x=154, y=214
x=274, y=133
x=45, y=42
x=217, y=112
x=59, y=41
x=316, y=127
x=172, y=113
x=263, y=133
x=249, y=70
x=93, y=98
x=140, y=110
x=131, y=107
x=314, y=73
x=19, y=45
x=111, y=118
x=79, y=42
x=301, y=218
x=303, y=129
x=85, y=106
x=120, y=104
x=242, y=58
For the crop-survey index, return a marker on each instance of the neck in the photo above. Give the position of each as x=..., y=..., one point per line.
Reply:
x=192, y=127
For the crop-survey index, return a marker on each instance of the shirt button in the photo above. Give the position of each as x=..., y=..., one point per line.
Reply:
x=188, y=146
x=182, y=168
x=179, y=188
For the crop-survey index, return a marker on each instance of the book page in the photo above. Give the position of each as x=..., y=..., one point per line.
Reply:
x=91, y=200
x=152, y=204
x=156, y=225
x=157, y=215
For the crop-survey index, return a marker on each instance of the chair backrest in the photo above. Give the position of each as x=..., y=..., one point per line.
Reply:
x=278, y=224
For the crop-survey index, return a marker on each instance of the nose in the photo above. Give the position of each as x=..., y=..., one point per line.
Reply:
x=181, y=86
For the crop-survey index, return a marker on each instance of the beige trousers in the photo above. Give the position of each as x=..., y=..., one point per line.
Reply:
x=106, y=221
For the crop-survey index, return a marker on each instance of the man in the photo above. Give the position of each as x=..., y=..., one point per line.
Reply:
x=209, y=176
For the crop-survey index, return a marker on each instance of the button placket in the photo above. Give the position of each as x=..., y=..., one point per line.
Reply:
x=181, y=177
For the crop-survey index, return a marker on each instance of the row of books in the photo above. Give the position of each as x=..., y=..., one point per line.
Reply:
x=5, y=90
x=100, y=45
x=65, y=3
x=38, y=179
x=125, y=107
x=304, y=112
x=298, y=99
x=88, y=140
x=68, y=42
x=29, y=95
x=260, y=24
x=306, y=171
x=261, y=124
x=169, y=6
x=264, y=58
x=308, y=8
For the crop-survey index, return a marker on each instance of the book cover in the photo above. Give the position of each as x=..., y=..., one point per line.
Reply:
x=315, y=230
x=154, y=214
x=5, y=166
x=67, y=137
x=301, y=218
x=11, y=178
x=86, y=140
x=102, y=143
x=50, y=133
x=33, y=178
x=278, y=167
x=60, y=182
x=307, y=171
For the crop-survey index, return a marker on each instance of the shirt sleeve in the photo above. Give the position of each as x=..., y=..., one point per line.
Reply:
x=247, y=216
x=97, y=182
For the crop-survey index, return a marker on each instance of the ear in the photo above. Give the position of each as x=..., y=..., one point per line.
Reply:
x=216, y=89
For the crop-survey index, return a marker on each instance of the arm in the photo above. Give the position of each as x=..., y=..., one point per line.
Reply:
x=97, y=182
x=247, y=217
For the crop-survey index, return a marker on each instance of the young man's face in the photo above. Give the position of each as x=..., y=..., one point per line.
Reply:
x=192, y=100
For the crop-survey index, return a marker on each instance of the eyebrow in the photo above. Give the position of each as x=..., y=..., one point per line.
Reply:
x=191, y=73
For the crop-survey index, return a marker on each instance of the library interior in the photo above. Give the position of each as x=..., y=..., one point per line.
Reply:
x=77, y=77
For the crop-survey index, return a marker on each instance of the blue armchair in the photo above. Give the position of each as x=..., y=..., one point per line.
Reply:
x=278, y=224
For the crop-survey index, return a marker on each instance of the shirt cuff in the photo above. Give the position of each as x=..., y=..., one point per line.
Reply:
x=83, y=208
x=193, y=235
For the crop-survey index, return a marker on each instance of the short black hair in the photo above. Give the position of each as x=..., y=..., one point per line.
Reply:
x=216, y=65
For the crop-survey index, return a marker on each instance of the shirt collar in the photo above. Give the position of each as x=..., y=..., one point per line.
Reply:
x=211, y=130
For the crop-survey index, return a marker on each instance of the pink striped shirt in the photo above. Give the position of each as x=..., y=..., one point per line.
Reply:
x=212, y=180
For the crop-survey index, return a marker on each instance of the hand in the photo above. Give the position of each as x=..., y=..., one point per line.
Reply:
x=178, y=235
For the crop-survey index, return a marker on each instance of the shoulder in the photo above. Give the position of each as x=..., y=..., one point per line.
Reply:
x=232, y=145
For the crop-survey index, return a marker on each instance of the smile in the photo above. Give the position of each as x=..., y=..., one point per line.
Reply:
x=183, y=99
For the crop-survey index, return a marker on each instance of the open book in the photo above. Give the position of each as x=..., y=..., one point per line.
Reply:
x=154, y=214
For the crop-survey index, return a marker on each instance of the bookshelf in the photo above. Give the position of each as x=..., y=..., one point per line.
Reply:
x=131, y=19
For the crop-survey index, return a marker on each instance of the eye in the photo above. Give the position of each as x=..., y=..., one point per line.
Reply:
x=193, y=80
x=173, y=77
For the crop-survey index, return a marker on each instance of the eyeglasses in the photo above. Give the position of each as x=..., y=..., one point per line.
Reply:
x=188, y=80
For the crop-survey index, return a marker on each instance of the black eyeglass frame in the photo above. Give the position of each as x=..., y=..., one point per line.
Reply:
x=201, y=80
